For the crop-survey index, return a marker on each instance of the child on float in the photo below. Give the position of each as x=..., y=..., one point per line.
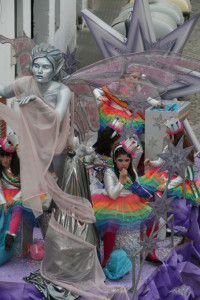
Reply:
x=10, y=195
x=110, y=106
x=154, y=181
x=118, y=207
x=107, y=140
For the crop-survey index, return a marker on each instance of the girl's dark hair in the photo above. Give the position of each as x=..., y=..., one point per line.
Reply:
x=186, y=143
x=116, y=154
x=14, y=166
x=105, y=140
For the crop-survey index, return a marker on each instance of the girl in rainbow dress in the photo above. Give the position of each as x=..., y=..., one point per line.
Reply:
x=110, y=106
x=117, y=207
x=154, y=181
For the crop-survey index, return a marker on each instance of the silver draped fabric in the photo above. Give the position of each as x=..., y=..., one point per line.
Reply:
x=63, y=261
x=75, y=181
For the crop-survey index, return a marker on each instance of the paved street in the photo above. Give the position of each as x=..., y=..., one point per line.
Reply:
x=108, y=10
x=192, y=48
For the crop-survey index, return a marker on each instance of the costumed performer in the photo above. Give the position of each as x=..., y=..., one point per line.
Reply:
x=118, y=207
x=96, y=162
x=154, y=181
x=110, y=106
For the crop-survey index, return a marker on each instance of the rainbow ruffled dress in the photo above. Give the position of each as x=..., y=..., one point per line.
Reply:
x=115, y=107
x=126, y=211
x=151, y=180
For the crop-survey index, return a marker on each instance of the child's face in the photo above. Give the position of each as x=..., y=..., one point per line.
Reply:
x=5, y=160
x=115, y=144
x=122, y=161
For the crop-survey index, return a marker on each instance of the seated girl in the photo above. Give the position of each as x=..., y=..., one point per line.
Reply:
x=111, y=106
x=10, y=194
x=184, y=216
x=154, y=181
x=117, y=207
x=107, y=140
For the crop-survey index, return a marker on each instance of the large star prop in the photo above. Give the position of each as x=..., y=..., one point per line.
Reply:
x=175, y=160
x=161, y=206
x=141, y=37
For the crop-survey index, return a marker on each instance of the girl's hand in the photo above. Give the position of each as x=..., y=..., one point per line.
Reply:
x=161, y=188
x=122, y=176
x=10, y=203
x=161, y=105
x=102, y=98
x=147, y=162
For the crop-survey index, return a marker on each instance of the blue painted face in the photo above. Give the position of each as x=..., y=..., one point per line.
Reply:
x=42, y=70
x=122, y=161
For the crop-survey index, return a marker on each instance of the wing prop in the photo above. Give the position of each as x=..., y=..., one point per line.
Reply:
x=156, y=70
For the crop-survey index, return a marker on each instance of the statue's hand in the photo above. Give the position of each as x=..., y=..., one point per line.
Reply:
x=84, y=150
x=26, y=100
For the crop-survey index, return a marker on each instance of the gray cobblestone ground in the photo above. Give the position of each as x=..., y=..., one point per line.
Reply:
x=107, y=10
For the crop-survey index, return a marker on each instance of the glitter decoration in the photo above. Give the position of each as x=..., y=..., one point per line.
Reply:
x=129, y=241
x=149, y=244
x=161, y=206
x=175, y=160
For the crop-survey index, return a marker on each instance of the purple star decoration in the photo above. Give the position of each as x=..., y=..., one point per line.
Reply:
x=161, y=206
x=70, y=61
x=175, y=160
x=141, y=37
x=149, y=244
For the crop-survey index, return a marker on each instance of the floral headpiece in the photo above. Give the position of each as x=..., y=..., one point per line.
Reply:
x=9, y=143
x=117, y=126
x=173, y=125
x=130, y=145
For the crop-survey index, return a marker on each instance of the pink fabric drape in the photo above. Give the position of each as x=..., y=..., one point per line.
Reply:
x=41, y=137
